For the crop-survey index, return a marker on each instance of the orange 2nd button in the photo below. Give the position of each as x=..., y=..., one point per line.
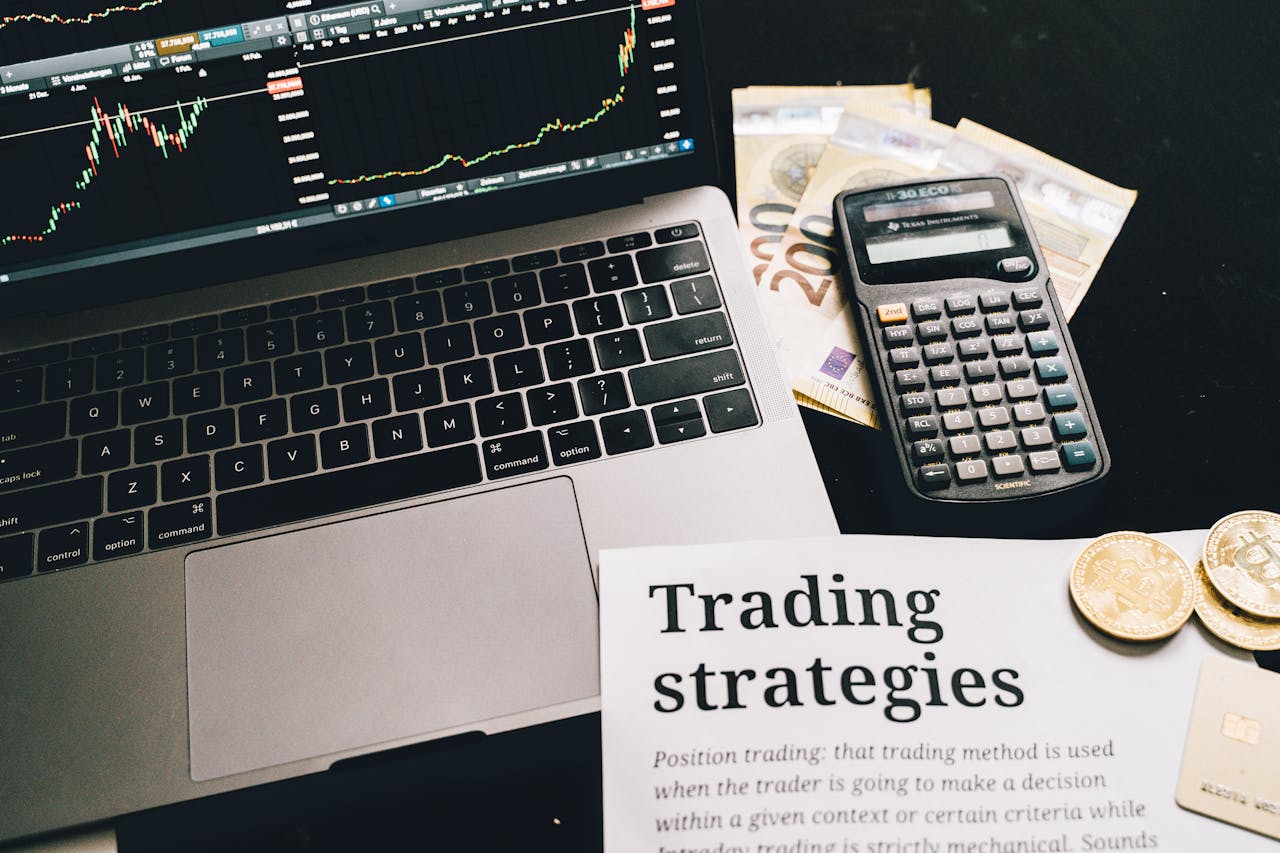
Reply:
x=893, y=313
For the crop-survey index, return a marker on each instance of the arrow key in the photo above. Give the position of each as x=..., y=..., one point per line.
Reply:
x=730, y=410
x=63, y=547
x=932, y=477
x=118, y=536
x=625, y=432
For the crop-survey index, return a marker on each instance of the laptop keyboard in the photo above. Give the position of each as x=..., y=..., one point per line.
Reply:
x=168, y=435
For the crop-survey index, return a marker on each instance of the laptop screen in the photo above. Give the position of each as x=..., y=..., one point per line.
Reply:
x=132, y=129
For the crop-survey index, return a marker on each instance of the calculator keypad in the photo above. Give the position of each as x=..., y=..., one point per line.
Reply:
x=984, y=389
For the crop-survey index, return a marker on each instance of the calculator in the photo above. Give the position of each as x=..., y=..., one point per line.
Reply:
x=966, y=342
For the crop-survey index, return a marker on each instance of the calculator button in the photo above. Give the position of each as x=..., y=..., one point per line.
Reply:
x=966, y=327
x=972, y=349
x=901, y=358
x=1008, y=466
x=1022, y=389
x=994, y=302
x=939, y=353
x=915, y=404
x=1050, y=370
x=992, y=417
x=971, y=471
x=965, y=445
x=1007, y=344
x=1045, y=462
x=894, y=312
x=897, y=336
x=922, y=426
x=1000, y=324
x=908, y=380
x=1033, y=321
x=986, y=393
x=1016, y=266
x=926, y=308
x=960, y=304
x=1016, y=367
x=1069, y=425
x=1079, y=455
x=952, y=398
x=980, y=371
x=1061, y=397
x=933, y=477
x=1033, y=437
x=954, y=422
x=928, y=333
x=1003, y=440
x=1028, y=413
x=944, y=375
x=928, y=450
x=1027, y=297
x=1042, y=343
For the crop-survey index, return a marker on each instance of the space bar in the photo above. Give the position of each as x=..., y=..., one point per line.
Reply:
x=348, y=489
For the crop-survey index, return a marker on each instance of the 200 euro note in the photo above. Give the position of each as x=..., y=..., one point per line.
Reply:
x=800, y=290
x=1076, y=216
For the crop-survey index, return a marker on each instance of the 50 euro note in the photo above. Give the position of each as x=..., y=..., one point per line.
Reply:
x=801, y=291
x=1076, y=216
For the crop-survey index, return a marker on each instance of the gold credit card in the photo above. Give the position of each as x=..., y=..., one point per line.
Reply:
x=1231, y=763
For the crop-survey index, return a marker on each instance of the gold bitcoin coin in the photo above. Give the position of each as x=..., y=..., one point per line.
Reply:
x=1133, y=586
x=1230, y=623
x=1242, y=561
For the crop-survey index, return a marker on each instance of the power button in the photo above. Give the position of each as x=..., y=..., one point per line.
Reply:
x=1020, y=265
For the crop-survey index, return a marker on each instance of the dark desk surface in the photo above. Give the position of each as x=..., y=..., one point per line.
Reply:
x=1179, y=335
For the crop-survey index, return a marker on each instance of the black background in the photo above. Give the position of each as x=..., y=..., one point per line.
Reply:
x=1178, y=337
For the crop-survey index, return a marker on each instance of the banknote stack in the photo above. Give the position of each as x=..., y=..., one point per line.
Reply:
x=798, y=147
x=1134, y=587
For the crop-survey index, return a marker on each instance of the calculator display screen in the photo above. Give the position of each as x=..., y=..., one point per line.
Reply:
x=935, y=230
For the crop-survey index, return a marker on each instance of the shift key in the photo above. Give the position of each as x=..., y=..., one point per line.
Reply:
x=56, y=504
x=658, y=382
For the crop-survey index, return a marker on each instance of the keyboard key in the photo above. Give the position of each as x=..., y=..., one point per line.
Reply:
x=234, y=469
x=316, y=331
x=568, y=359
x=934, y=477
x=1058, y=398
x=397, y=436
x=488, y=269
x=926, y=308
x=449, y=343
x=49, y=422
x=619, y=350
x=468, y=379
x=449, y=425
x=104, y=343
x=246, y=384
x=938, y=353
x=964, y=445
x=390, y=289
x=294, y=456
x=348, y=489
x=730, y=410
x=398, y=354
x=105, y=451
x=63, y=547
x=980, y=371
x=260, y=421
x=600, y=314
x=438, y=279
x=674, y=261
x=696, y=294
x=609, y=274
x=185, y=478
x=15, y=556
x=601, y=394
x=1001, y=324
x=985, y=393
x=499, y=415
x=172, y=359
x=676, y=422
x=301, y=372
x=1003, y=440
x=213, y=352
x=1028, y=413
x=413, y=391
x=626, y=432
x=466, y=302
x=561, y=283
x=153, y=442
x=180, y=524
x=574, y=443
x=1033, y=321
x=366, y=400
x=118, y=535
x=1015, y=367
x=552, y=404
x=901, y=359
x=132, y=489
x=1051, y=370
x=269, y=340
x=966, y=327
x=944, y=375
x=671, y=379
x=1069, y=425
x=915, y=404
x=40, y=355
x=687, y=336
x=534, y=260
x=1033, y=437
x=348, y=364
x=1079, y=455
x=582, y=251
x=114, y=370
x=993, y=416
x=928, y=450
x=36, y=466
x=908, y=380
x=1018, y=390
x=961, y=304
x=54, y=504
x=922, y=426
x=344, y=446
x=1008, y=466
x=994, y=302
x=647, y=304
x=954, y=422
x=144, y=403
x=499, y=334
x=244, y=316
x=342, y=298
x=68, y=379
x=515, y=292
x=521, y=369
x=630, y=242
x=316, y=410
x=971, y=471
x=292, y=307
x=1042, y=343
x=972, y=350
x=197, y=393
x=1045, y=462
x=419, y=311
x=1027, y=297
x=675, y=233
x=211, y=431
x=898, y=336
x=513, y=455
x=951, y=398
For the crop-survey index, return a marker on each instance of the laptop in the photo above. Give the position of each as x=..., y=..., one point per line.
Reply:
x=335, y=342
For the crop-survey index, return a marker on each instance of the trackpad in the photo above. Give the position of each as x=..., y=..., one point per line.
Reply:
x=396, y=625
